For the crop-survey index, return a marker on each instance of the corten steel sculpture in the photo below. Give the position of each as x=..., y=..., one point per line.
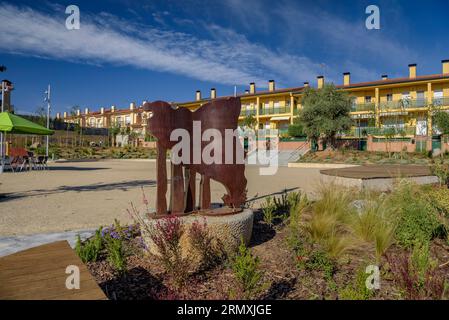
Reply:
x=219, y=114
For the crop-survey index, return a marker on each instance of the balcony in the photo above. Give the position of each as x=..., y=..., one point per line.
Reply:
x=246, y=112
x=269, y=111
x=440, y=102
x=360, y=107
x=403, y=104
x=394, y=131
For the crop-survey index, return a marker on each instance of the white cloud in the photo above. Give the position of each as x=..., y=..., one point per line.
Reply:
x=227, y=58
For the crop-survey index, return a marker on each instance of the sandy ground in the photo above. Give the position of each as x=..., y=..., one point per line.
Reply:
x=85, y=195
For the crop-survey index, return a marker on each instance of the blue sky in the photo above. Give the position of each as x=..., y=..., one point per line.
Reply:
x=165, y=50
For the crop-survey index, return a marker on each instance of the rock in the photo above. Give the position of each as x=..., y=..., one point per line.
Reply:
x=227, y=229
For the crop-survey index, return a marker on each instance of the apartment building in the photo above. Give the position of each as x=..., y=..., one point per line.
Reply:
x=404, y=104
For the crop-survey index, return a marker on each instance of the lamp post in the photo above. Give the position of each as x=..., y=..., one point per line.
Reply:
x=47, y=99
x=2, y=69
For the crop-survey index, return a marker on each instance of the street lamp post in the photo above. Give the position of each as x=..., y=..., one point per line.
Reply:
x=2, y=69
x=47, y=98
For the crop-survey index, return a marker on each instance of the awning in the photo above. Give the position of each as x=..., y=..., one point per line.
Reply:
x=279, y=118
x=14, y=124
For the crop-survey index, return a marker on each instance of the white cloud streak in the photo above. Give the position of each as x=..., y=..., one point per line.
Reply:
x=227, y=58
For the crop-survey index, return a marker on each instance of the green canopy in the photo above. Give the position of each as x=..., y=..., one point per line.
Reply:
x=14, y=124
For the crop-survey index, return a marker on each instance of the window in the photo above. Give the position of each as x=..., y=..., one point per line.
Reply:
x=127, y=120
x=276, y=104
x=389, y=97
x=438, y=97
x=353, y=101
x=368, y=99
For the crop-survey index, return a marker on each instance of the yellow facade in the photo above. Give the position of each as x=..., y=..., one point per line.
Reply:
x=406, y=102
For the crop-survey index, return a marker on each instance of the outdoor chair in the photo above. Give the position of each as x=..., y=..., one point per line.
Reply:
x=24, y=161
x=41, y=162
x=7, y=163
x=32, y=161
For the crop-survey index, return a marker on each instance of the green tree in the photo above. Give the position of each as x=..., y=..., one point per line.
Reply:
x=41, y=114
x=250, y=121
x=441, y=121
x=325, y=112
x=296, y=129
x=77, y=124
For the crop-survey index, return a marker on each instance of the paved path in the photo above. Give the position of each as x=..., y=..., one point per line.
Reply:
x=86, y=195
x=12, y=244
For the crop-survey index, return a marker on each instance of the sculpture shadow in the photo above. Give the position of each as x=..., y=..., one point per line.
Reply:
x=136, y=284
x=124, y=186
x=280, y=289
x=262, y=232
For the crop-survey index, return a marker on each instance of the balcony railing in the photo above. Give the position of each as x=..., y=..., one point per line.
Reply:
x=394, y=131
x=364, y=107
x=265, y=111
x=245, y=112
x=403, y=104
x=440, y=102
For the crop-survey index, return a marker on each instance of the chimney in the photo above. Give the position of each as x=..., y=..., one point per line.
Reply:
x=246, y=91
x=198, y=95
x=445, y=65
x=65, y=114
x=112, y=108
x=306, y=84
x=102, y=110
x=252, y=88
x=86, y=111
x=412, y=70
x=384, y=77
x=58, y=115
x=132, y=106
x=320, y=80
x=213, y=93
x=271, y=87
x=78, y=112
x=346, y=78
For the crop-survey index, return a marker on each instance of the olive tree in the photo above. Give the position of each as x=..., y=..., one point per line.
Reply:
x=324, y=113
x=441, y=120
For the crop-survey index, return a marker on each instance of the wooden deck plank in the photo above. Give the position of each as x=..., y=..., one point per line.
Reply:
x=39, y=274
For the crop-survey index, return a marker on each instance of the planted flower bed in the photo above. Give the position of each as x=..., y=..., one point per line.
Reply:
x=343, y=245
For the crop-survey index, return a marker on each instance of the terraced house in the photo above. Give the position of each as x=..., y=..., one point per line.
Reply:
x=403, y=107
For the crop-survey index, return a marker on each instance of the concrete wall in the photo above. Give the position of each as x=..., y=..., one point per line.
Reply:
x=292, y=145
x=391, y=146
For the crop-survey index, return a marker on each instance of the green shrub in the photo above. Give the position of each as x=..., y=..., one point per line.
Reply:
x=320, y=260
x=327, y=223
x=358, y=289
x=441, y=170
x=439, y=198
x=268, y=210
x=418, y=219
x=166, y=236
x=376, y=224
x=211, y=250
x=296, y=130
x=116, y=254
x=89, y=250
x=246, y=270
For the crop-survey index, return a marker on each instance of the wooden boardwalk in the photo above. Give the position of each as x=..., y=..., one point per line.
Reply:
x=40, y=274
